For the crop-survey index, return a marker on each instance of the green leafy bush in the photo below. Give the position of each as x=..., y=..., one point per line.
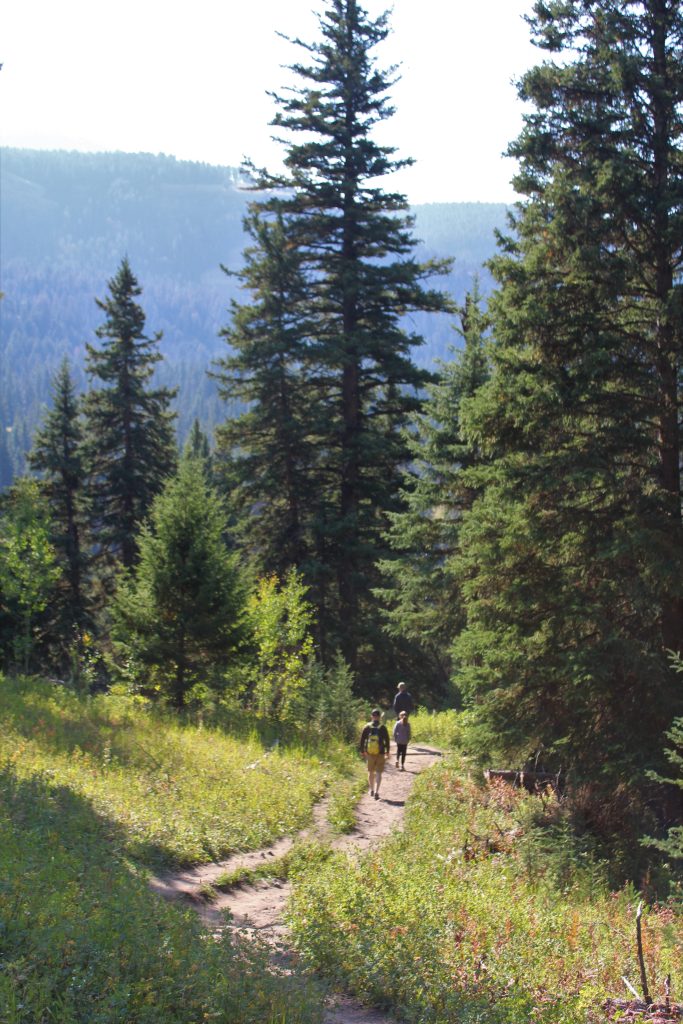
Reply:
x=443, y=728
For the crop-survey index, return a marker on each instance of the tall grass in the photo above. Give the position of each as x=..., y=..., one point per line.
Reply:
x=92, y=790
x=83, y=940
x=484, y=909
x=442, y=728
x=181, y=793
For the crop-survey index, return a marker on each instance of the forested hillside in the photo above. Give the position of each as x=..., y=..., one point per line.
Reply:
x=67, y=220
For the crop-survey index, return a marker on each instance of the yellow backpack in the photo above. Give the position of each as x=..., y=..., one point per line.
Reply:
x=374, y=745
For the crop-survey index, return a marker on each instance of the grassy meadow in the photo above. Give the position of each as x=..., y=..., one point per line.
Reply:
x=485, y=909
x=93, y=792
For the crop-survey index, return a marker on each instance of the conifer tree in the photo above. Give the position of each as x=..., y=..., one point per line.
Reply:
x=180, y=614
x=129, y=437
x=28, y=567
x=572, y=564
x=420, y=591
x=268, y=455
x=57, y=454
x=355, y=246
x=197, y=445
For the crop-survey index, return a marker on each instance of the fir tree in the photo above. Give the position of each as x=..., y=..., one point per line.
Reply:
x=197, y=445
x=128, y=426
x=354, y=247
x=57, y=454
x=180, y=613
x=572, y=563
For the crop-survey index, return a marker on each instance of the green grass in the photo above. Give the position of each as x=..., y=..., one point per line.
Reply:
x=344, y=796
x=484, y=909
x=84, y=941
x=181, y=793
x=442, y=728
x=94, y=790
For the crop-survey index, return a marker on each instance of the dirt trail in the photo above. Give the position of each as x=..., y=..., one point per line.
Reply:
x=260, y=908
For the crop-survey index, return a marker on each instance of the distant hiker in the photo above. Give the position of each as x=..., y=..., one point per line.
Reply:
x=402, y=701
x=374, y=746
x=402, y=738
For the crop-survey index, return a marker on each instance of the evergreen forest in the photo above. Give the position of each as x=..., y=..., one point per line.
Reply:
x=273, y=442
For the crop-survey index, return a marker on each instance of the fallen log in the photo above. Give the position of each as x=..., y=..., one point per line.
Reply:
x=532, y=782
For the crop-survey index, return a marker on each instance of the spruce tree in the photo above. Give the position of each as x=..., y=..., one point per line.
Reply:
x=180, y=614
x=572, y=557
x=355, y=250
x=129, y=437
x=57, y=454
x=420, y=590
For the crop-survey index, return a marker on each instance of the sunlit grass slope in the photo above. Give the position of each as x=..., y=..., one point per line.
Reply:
x=484, y=909
x=179, y=793
x=91, y=792
x=83, y=939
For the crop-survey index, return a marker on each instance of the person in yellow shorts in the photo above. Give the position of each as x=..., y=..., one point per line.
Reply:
x=374, y=746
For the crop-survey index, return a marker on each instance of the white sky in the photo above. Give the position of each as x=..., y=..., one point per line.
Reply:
x=190, y=79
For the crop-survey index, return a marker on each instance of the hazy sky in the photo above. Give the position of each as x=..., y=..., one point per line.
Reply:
x=190, y=79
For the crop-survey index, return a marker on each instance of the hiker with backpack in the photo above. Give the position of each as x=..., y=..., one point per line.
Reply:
x=374, y=747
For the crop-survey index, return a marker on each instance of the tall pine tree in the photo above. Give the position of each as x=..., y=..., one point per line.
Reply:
x=574, y=554
x=355, y=247
x=129, y=438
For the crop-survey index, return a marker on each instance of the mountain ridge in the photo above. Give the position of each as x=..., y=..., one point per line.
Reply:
x=67, y=219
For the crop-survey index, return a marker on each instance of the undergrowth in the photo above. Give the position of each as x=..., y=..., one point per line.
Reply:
x=442, y=728
x=485, y=908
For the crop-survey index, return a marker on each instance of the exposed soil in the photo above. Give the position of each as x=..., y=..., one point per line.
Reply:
x=260, y=908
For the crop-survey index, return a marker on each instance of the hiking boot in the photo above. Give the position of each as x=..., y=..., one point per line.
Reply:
x=372, y=792
x=403, y=767
x=376, y=796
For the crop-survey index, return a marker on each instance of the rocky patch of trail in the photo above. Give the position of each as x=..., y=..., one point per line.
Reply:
x=260, y=907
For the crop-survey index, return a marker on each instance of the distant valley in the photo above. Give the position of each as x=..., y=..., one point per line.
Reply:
x=68, y=218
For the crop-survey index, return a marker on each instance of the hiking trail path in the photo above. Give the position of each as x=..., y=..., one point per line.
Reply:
x=259, y=908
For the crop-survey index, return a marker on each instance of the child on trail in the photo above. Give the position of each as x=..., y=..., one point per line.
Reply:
x=374, y=746
x=402, y=738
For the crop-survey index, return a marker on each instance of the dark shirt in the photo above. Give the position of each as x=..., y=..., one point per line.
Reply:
x=383, y=738
x=403, y=702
